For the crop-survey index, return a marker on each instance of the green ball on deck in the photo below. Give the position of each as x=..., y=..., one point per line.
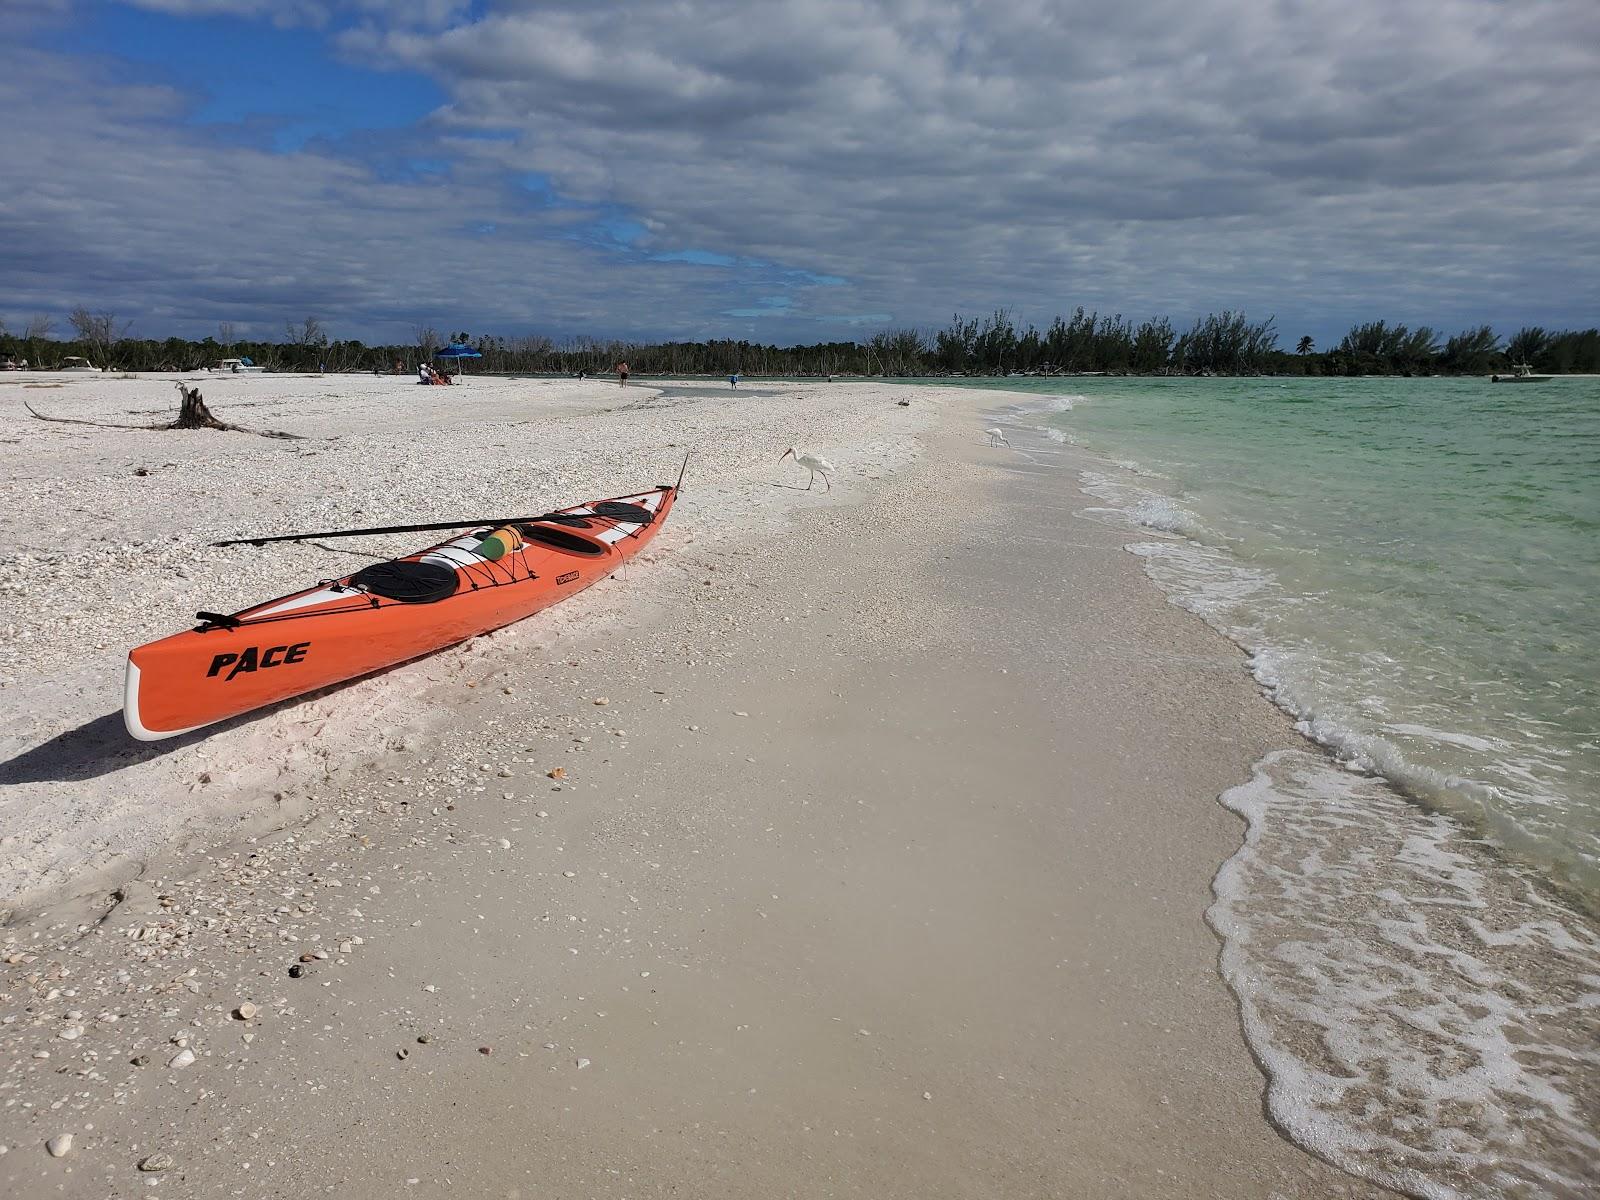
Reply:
x=499, y=544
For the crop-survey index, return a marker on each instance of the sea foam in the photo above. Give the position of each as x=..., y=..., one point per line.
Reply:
x=1053, y=403
x=1381, y=964
x=1141, y=505
x=1028, y=410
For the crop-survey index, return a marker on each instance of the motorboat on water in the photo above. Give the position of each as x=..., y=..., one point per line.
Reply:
x=1522, y=373
x=236, y=366
x=73, y=363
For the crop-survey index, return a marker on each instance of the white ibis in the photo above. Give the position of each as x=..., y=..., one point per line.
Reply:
x=814, y=463
x=997, y=436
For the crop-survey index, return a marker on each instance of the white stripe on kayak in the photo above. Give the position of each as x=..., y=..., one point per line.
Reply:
x=455, y=555
x=623, y=529
x=320, y=596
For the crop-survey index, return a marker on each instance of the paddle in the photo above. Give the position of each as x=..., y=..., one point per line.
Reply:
x=491, y=522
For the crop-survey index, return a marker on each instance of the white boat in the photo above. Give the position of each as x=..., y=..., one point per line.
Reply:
x=1523, y=374
x=236, y=366
x=73, y=363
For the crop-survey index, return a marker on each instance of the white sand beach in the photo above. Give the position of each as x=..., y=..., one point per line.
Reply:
x=846, y=843
x=111, y=530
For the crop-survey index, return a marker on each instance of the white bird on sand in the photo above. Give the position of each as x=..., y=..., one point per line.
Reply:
x=814, y=463
x=997, y=436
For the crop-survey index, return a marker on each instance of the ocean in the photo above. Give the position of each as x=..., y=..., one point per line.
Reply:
x=1411, y=565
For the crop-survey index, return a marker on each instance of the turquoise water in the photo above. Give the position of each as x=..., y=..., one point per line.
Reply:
x=1413, y=563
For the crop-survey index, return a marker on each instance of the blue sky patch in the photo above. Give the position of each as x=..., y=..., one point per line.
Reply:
x=766, y=306
x=703, y=258
x=278, y=87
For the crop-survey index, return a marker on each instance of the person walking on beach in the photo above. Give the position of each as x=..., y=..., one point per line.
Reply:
x=733, y=380
x=622, y=374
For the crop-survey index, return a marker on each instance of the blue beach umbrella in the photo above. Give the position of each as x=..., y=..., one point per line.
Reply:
x=457, y=352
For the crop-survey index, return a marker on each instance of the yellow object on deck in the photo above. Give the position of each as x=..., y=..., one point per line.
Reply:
x=500, y=543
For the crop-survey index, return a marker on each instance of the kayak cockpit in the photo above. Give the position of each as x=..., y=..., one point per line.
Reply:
x=566, y=540
x=407, y=580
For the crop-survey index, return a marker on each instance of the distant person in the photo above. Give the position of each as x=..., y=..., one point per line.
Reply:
x=622, y=374
x=424, y=374
x=733, y=380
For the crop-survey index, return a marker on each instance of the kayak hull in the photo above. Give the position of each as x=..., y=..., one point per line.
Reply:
x=339, y=630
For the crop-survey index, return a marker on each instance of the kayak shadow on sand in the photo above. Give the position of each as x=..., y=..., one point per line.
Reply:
x=93, y=749
x=104, y=745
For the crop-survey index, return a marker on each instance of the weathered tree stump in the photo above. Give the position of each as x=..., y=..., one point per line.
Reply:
x=193, y=413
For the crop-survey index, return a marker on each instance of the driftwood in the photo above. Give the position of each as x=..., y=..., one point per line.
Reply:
x=192, y=414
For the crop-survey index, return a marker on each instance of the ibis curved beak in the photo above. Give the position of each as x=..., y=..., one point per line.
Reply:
x=786, y=454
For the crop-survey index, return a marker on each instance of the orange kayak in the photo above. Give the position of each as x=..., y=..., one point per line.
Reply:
x=383, y=614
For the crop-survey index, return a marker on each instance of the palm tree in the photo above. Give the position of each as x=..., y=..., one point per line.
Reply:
x=1305, y=345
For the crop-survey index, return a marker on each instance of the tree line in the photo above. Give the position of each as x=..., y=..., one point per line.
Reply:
x=1225, y=343
x=1378, y=348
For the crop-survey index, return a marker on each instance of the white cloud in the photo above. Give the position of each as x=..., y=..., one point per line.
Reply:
x=930, y=148
x=1428, y=161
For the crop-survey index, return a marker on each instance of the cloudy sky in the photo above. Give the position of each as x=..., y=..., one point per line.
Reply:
x=798, y=171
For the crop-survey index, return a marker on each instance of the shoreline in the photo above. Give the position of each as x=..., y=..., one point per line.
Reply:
x=1337, y=858
x=1237, y=575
